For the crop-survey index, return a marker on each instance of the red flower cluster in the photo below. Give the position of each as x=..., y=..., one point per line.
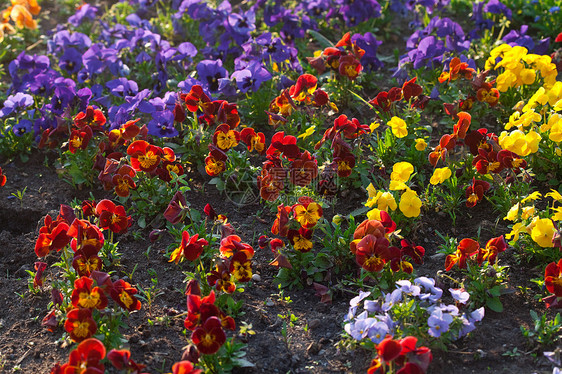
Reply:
x=205, y=320
x=285, y=164
x=481, y=90
x=235, y=265
x=304, y=92
x=372, y=249
x=344, y=159
x=343, y=59
x=468, y=248
x=80, y=323
x=85, y=123
x=402, y=355
x=385, y=100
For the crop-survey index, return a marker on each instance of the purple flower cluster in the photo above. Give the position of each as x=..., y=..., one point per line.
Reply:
x=426, y=47
x=380, y=317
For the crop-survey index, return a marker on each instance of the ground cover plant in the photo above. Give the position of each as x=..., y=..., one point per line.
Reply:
x=320, y=186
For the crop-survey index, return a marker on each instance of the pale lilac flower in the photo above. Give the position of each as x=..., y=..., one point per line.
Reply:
x=459, y=294
x=439, y=323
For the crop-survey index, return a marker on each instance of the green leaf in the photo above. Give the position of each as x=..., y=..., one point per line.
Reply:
x=321, y=39
x=494, y=304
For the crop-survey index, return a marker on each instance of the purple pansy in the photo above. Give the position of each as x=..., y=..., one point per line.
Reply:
x=85, y=12
x=252, y=77
x=15, y=103
x=439, y=323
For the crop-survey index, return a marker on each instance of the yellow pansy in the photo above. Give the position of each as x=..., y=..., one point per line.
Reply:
x=543, y=232
x=410, y=203
x=309, y=131
x=401, y=171
x=527, y=212
x=421, y=144
x=555, y=195
x=513, y=213
x=374, y=214
x=553, y=121
x=386, y=200
x=557, y=216
x=398, y=126
x=517, y=229
x=397, y=185
x=532, y=197
x=440, y=175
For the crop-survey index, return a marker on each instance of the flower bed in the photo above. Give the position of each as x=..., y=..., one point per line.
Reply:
x=296, y=187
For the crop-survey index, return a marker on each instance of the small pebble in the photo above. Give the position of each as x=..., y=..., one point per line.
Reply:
x=256, y=278
x=315, y=323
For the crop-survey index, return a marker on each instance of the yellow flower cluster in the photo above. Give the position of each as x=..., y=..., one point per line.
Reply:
x=520, y=67
x=528, y=221
x=539, y=116
x=21, y=12
x=410, y=204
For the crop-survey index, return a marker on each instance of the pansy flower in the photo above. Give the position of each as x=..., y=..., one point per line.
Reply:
x=86, y=296
x=86, y=358
x=466, y=248
x=112, y=217
x=232, y=244
x=190, y=248
x=94, y=118
x=79, y=324
x=124, y=295
x=490, y=251
x=185, y=367
x=2, y=178
x=39, y=270
x=254, y=141
x=123, y=180
x=307, y=212
x=79, y=139
x=372, y=253
x=301, y=239
x=225, y=138
x=475, y=192
x=281, y=223
x=215, y=162
x=209, y=337
x=52, y=236
x=553, y=278
x=221, y=279
x=241, y=267
x=303, y=169
x=144, y=156
x=121, y=360
x=196, y=99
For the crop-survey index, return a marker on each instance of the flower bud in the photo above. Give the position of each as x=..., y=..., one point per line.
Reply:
x=336, y=220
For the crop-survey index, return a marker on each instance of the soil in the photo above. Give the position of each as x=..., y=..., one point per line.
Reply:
x=155, y=333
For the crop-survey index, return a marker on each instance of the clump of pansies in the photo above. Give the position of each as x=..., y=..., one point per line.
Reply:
x=84, y=249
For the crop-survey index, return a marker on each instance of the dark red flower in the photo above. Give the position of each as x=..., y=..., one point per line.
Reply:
x=190, y=248
x=86, y=358
x=79, y=139
x=209, y=337
x=112, y=217
x=92, y=118
x=79, y=324
x=124, y=295
x=121, y=360
x=475, y=192
x=39, y=270
x=177, y=208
